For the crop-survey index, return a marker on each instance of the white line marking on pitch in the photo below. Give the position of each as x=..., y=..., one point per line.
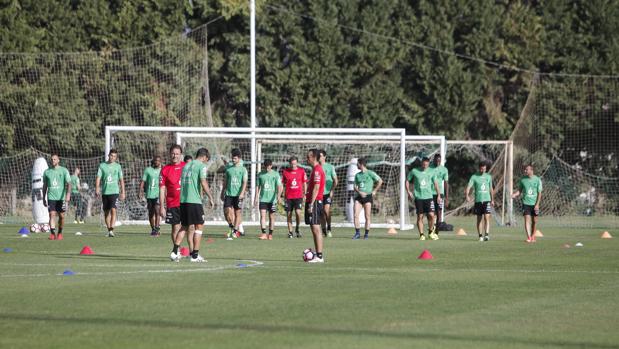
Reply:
x=252, y=263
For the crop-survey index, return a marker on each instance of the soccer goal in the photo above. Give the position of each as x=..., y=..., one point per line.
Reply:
x=463, y=157
x=384, y=149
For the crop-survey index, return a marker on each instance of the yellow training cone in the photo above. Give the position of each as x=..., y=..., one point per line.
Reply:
x=392, y=231
x=461, y=232
x=538, y=234
x=606, y=235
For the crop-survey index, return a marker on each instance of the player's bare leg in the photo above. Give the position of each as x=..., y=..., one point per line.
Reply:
x=289, y=221
x=325, y=221
x=356, y=212
x=52, y=225
x=60, y=224
x=238, y=219
x=486, y=226
x=528, y=228
x=297, y=231
x=420, y=226
x=193, y=238
x=263, y=224
x=317, y=238
x=480, y=228
x=367, y=210
x=533, y=226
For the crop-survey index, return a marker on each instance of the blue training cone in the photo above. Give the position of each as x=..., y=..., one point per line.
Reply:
x=23, y=231
x=7, y=249
x=68, y=272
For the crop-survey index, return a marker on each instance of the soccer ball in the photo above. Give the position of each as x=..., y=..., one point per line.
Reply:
x=308, y=255
x=34, y=228
x=45, y=228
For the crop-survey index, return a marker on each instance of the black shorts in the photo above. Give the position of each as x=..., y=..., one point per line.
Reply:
x=326, y=199
x=268, y=206
x=152, y=205
x=233, y=201
x=294, y=204
x=109, y=201
x=424, y=206
x=529, y=210
x=482, y=208
x=314, y=217
x=59, y=206
x=173, y=215
x=367, y=199
x=438, y=206
x=191, y=214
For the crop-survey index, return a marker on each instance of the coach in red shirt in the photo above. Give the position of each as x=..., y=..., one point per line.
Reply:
x=170, y=195
x=313, y=201
x=295, y=185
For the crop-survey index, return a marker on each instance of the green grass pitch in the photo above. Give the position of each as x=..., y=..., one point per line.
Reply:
x=260, y=294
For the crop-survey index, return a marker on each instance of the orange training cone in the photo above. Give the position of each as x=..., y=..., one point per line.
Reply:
x=86, y=251
x=538, y=234
x=425, y=255
x=392, y=231
x=461, y=232
x=606, y=235
x=184, y=251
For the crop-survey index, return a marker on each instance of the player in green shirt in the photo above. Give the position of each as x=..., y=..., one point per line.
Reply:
x=233, y=193
x=111, y=188
x=76, y=197
x=442, y=176
x=423, y=182
x=330, y=184
x=149, y=185
x=481, y=182
x=365, y=193
x=56, y=195
x=268, y=194
x=530, y=186
x=193, y=183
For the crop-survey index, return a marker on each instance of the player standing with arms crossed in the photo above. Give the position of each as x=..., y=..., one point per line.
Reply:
x=56, y=195
x=268, y=195
x=364, y=187
x=149, y=185
x=313, y=202
x=530, y=187
x=295, y=186
x=193, y=182
x=76, y=197
x=235, y=185
x=423, y=180
x=442, y=176
x=481, y=182
x=111, y=190
x=330, y=184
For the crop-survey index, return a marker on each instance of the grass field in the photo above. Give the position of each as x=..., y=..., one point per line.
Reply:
x=259, y=294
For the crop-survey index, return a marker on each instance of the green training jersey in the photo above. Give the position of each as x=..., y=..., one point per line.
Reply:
x=75, y=184
x=151, y=182
x=329, y=176
x=56, y=180
x=441, y=175
x=269, y=181
x=110, y=174
x=191, y=182
x=529, y=188
x=235, y=175
x=482, y=184
x=365, y=181
x=423, y=183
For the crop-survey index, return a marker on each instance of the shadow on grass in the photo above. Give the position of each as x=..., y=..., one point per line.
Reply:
x=274, y=329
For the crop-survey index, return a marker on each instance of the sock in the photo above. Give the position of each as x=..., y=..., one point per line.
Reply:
x=319, y=254
x=175, y=248
x=367, y=232
x=357, y=231
x=329, y=227
x=480, y=235
x=231, y=225
x=289, y=233
x=264, y=231
x=194, y=254
x=59, y=230
x=324, y=230
x=270, y=231
x=53, y=231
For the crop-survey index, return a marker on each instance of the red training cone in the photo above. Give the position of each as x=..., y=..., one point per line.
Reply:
x=425, y=255
x=184, y=251
x=86, y=251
